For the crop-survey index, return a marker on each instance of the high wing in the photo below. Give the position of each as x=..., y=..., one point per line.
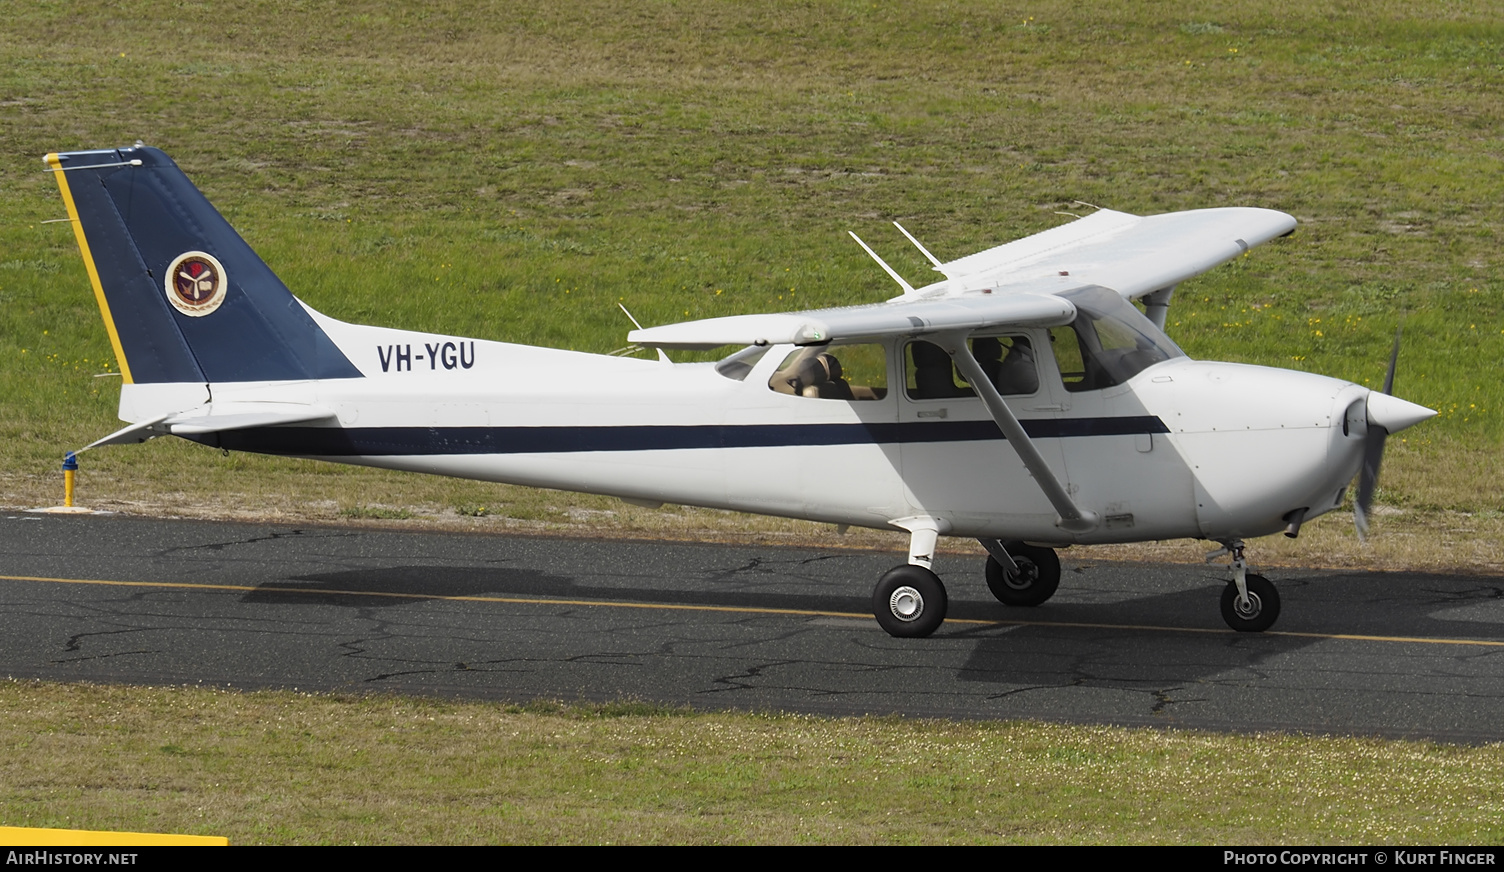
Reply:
x=1012, y=284
x=1130, y=254
x=900, y=317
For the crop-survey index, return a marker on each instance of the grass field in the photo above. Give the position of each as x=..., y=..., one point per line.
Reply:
x=509, y=171
x=290, y=768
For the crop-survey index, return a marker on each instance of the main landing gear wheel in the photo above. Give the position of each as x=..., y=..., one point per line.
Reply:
x=1255, y=615
x=909, y=602
x=1037, y=578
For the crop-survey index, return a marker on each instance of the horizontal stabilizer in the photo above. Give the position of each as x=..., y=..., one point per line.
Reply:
x=136, y=433
x=242, y=416
x=214, y=418
x=900, y=317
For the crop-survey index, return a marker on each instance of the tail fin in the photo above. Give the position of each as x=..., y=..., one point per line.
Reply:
x=184, y=298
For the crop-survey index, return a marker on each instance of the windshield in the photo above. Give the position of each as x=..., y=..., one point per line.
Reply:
x=1109, y=343
x=736, y=366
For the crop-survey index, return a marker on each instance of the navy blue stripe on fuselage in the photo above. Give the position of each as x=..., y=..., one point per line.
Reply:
x=429, y=441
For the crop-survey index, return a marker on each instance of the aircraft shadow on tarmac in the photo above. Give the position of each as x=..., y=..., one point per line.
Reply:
x=1392, y=604
x=1120, y=647
x=403, y=584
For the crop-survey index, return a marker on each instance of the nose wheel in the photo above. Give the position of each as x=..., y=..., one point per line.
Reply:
x=1256, y=611
x=1250, y=604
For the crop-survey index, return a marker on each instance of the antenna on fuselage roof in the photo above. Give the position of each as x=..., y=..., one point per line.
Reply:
x=662, y=355
x=907, y=288
x=939, y=267
x=1080, y=203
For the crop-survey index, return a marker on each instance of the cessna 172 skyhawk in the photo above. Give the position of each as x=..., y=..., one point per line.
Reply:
x=1023, y=400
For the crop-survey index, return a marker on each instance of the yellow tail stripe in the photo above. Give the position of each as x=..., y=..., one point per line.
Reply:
x=83, y=246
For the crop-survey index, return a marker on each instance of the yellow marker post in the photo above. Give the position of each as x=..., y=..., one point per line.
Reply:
x=70, y=467
x=70, y=470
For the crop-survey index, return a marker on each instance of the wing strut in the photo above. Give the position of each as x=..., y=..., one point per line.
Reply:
x=1072, y=517
x=1157, y=305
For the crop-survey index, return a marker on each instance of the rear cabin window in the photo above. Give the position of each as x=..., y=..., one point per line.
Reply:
x=839, y=372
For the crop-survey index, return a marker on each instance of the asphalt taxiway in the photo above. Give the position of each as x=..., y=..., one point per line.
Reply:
x=130, y=600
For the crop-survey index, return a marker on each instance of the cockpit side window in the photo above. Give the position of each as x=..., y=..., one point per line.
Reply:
x=1069, y=359
x=841, y=372
x=1109, y=343
x=1007, y=360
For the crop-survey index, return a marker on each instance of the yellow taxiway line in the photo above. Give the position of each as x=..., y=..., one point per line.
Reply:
x=754, y=610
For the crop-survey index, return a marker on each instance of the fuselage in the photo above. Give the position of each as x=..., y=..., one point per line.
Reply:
x=1182, y=449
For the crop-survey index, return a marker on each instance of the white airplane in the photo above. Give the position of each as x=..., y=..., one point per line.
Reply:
x=1022, y=400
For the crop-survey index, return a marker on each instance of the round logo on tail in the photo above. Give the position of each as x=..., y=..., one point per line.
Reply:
x=196, y=283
